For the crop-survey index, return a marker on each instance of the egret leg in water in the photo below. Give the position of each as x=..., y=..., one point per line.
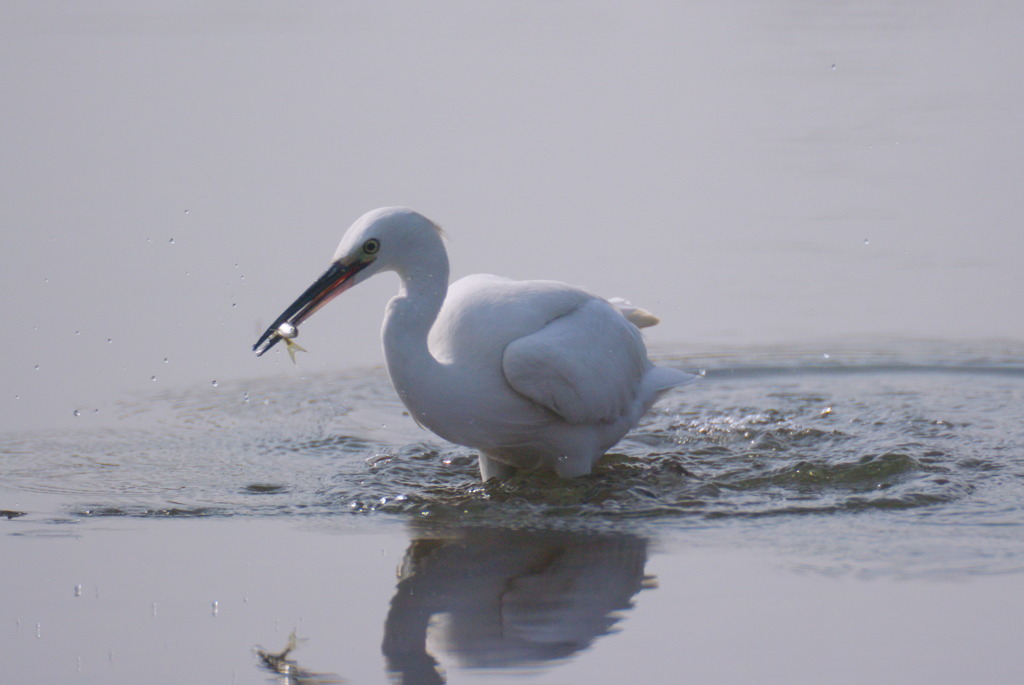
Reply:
x=533, y=374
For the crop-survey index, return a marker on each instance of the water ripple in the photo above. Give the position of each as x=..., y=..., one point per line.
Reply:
x=818, y=437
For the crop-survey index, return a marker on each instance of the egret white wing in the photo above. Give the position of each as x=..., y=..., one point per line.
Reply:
x=585, y=366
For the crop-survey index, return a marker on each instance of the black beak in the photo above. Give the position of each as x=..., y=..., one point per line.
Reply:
x=334, y=281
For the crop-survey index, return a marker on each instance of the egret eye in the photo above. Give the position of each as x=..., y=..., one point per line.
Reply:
x=371, y=246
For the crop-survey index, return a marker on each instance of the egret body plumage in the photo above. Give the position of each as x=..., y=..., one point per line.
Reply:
x=533, y=374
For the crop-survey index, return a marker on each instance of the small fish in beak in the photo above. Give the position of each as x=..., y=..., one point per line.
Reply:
x=288, y=333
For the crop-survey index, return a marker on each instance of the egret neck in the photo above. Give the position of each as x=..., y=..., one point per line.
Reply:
x=407, y=322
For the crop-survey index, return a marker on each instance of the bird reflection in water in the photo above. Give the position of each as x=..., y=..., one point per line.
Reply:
x=496, y=598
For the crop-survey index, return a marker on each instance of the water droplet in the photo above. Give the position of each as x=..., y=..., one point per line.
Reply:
x=833, y=67
x=17, y=397
x=39, y=631
x=77, y=413
x=186, y=211
x=826, y=355
x=867, y=242
x=36, y=367
x=152, y=378
x=78, y=590
x=214, y=608
x=166, y=360
x=171, y=241
x=213, y=383
x=152, y=609
x=78, y=332
x=110, y=340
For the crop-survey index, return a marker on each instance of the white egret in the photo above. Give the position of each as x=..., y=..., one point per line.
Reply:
x=533, y=374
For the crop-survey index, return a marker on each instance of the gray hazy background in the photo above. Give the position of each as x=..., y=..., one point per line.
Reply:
x=172, y=175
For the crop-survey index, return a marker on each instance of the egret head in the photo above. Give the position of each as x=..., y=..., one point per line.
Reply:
x=385, y=239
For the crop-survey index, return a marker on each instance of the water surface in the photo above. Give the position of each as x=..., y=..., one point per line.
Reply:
x=222, y=518
x=927, y=436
